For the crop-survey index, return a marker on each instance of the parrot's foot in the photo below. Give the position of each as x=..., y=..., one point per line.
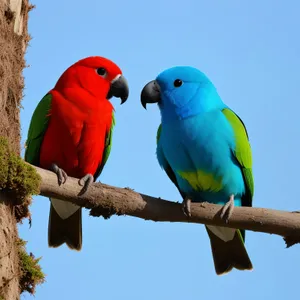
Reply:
x=61, y=174
x=186, y=206
x=227, y=209
x=86, y=181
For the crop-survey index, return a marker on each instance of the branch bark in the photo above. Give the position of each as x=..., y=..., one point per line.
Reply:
x=105, y=200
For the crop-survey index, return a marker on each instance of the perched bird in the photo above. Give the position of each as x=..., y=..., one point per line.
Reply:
x=71, y=132
x=203, y=147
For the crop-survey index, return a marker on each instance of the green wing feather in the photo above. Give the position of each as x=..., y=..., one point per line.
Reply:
x=107, y=148
x=242, y=153
x=38, y=126
x=158, y=133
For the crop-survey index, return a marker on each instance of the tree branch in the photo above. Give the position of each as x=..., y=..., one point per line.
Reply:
x=105, y=200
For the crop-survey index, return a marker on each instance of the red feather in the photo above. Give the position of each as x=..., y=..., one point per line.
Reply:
x=75, y=138
x=81, y=117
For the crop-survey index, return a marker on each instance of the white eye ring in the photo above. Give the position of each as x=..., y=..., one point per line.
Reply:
x=102, y=72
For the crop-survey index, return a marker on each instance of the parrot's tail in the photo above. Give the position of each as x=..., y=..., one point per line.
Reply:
x=230, y=254
x=67, y=230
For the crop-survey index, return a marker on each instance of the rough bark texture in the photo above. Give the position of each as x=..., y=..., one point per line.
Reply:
x=13, y=41
x=105, y=200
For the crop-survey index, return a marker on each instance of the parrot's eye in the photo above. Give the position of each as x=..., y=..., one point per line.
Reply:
x=178, y=83
x=101, y=71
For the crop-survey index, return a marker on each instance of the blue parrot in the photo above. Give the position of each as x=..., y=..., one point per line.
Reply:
x=203, y=147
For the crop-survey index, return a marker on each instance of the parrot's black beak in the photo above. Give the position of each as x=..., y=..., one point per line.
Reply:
x=119, y=88
x=150, y=93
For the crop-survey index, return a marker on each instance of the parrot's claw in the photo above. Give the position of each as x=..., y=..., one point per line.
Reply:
x=86, y=181
x=61, y=174
x=186, y=206
x=227, y=209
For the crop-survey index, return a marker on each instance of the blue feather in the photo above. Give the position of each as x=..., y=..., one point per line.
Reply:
x=204, y=143
x=196, y=147
x=196, y=138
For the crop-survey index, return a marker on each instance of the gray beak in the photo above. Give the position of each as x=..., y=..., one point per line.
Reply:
x=150, y=93
x=119, y=89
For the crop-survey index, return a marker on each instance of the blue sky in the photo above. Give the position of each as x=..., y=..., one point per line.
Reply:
x=250, y=50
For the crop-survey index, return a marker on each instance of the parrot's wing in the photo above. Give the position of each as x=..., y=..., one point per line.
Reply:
x=164, y=163
x=242, y=153
x=38, y=126
x=107, y=148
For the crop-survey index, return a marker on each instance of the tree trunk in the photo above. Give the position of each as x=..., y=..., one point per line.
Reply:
x=13, y=42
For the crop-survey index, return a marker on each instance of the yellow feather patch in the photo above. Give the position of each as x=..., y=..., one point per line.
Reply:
x=202, y=181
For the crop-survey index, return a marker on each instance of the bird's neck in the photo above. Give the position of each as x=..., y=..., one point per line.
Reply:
x=83, y=100
x=204, y=103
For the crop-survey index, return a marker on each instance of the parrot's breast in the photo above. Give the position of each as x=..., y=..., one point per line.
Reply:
x=199, y=150
x=75, y=139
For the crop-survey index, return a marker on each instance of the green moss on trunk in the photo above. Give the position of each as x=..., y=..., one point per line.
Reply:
x=18, y=179
x=31, y=272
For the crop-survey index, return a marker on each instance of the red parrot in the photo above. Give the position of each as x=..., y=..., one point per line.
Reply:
x=70, y=133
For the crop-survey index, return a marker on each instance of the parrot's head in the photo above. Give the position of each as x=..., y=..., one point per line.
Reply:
x=97, y=75
x=181, y=92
